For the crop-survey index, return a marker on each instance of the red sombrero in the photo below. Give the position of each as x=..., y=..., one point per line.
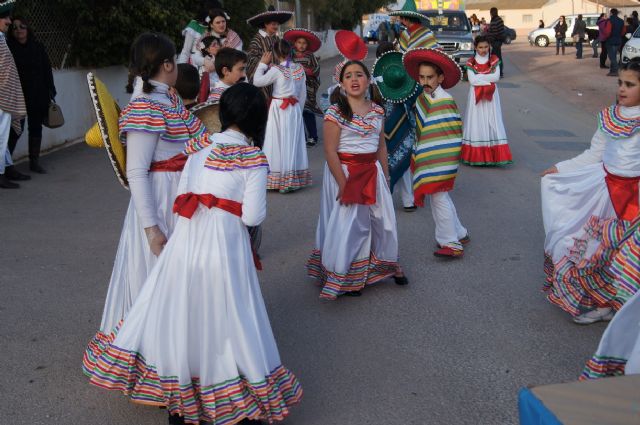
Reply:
x=312, y=39
x=414, y=57
x=350, y=45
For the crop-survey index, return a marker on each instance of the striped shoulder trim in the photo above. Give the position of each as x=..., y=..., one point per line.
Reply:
x=611, y=121
x=487, y=68
x=235, y=157
x=142, y=115
x=294, y=71
x=361, y=125
x=197, y=144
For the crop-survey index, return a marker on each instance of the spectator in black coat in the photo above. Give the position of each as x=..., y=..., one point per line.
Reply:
x=36, y=77
x=496, y=34
x=561, y=34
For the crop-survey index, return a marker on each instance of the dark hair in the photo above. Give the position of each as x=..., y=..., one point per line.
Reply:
x=148, y=53
x=614, y=11
x=632, y=65
x=384, y=47
x=207, y=42
x=204, y=8
x=432, y=65
x=493, y=11
x=579, y=17
x=341, y=100
x=228, y=58
x=245, y=106
x=188, y=81
x=14, y=18
x=282, y=48
x=602, y=15
x=480, y=39
x=412, y=19
x=215, y=13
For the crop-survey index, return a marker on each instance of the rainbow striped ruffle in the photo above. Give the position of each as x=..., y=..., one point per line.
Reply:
x=360, y=125
x=362, y=272
x=173, y=123
x=602, y=366
x=577, y=284
x=615, y=125
x=224, y=403
x=197, y=144
x=289, y=181
x=235, y=157
x=626, y=267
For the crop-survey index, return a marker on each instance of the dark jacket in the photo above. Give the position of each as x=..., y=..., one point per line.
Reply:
x=35, y=73
x=496, y=29
x=561, y=30
x=579, y=29
x=617, y=25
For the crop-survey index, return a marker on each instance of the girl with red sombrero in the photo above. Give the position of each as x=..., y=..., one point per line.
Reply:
x=352, y=48
x=356, y=238
x=439, y=140
x=268, y=24
x=305, y=43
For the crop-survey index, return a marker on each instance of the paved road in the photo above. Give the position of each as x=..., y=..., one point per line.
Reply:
x=453, y=347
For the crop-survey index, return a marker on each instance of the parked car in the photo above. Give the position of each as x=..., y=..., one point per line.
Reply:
x=371, y=36
x=632, y=48
x=509, y=35
x=453, y=32
x=542, y=37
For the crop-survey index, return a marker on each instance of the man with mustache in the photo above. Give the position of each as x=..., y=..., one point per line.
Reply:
x=439, y=143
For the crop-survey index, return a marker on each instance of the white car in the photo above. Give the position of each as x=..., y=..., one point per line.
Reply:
x=543, y=37
x=632, y=48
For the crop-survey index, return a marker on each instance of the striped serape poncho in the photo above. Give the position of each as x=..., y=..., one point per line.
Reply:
x=439, y=142
x=399, y=135
x=11, y=97
x=417, y=36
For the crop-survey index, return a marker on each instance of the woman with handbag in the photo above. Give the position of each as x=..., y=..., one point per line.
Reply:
x=36, y=77
x=561, y=34
x=578, y=34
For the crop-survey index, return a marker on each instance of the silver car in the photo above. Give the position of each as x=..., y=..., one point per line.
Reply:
x=542, y=37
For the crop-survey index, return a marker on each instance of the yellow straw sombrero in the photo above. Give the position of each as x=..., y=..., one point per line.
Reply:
x=208, y=113
x=105, y=132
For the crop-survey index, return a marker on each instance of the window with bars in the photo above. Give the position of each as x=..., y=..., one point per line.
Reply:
x=527, y=19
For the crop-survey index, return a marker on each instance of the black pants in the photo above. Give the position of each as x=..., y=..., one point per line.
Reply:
x=603, y=54
x=496, y=47
x=36, y=117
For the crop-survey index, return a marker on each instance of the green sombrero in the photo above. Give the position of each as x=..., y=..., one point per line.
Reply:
x=394, y=83
x=409, y=10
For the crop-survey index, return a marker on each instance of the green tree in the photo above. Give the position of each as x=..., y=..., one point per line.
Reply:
x=343, y=14
x=100, y=32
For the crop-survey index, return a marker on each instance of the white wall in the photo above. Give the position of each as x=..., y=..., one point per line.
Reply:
x=73, y=98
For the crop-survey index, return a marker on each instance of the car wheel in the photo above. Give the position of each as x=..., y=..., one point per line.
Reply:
x=542, y=41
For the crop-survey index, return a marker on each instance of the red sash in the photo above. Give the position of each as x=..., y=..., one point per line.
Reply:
x=186, y=204
x=484, y=92
x=205, y=88
x=623, y=192
x=173, y=164
x=287, y=101
x=363, y=177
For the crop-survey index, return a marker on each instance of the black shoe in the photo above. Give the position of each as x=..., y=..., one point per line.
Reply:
x=34, y=166
x=412, y=208
x=612, y=74
x=353, y=293
x=5, y=183
x=401, y=280
x=247, y=421
x=604, y=67
x=311, y=142
x=176, y=420
x=12, y=174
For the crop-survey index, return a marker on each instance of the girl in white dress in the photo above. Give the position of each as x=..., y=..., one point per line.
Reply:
x=284, y=145
x=484, y=140
x=356, y=238
x=198, y=338
x=583, y=198
x=155, y=127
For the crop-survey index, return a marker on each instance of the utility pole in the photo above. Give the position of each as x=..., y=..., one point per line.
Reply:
x=299, y=23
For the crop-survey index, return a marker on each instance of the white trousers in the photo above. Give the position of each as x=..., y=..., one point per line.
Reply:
x=449, y=230
x=405, y=186
x=5, y=127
